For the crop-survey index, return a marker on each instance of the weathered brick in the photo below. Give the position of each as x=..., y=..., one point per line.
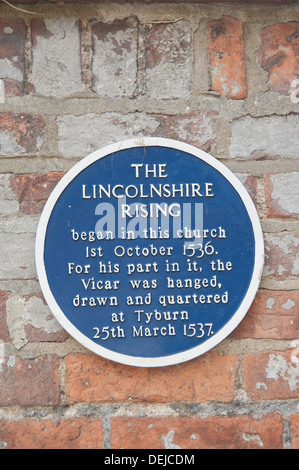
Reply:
x=12, y=47
x=197, y=128
x=281, y=255
x=8, y=201
x=264, y=137
x=226, y=49
x=33, y=190
x=80, y=135
x=41, y=325
x=294, y=425
x=4, y=333
x=272, y=375
x=29, y=382
x=282, y=194
x=272, y=315
x=92, y=379
x=168, y=49
x=20, y=134
x=30, y=319
x=279, y=55
x=77, y=433
x=234, y=432
x=17, y=256
x=114, y=63
x=56, y=69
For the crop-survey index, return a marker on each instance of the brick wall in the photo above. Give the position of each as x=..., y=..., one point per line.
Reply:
x=77, y=77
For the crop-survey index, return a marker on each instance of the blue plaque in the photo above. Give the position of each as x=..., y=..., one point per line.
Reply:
x=149, y=252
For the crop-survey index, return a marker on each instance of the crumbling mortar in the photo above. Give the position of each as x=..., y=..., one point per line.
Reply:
x=27, y=59
x=36, y=164
x=86, y=53
x=69, y=346
x=286, y=434
x=240, y=389
x=141, y=87
x=273, y=284
x=229, y=110
x=261, y=198
x=257, y=409
x=106, y=432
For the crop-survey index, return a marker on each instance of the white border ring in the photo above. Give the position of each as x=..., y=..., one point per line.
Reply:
x=164, y=360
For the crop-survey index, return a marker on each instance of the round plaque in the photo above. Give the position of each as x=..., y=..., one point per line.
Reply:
x=149, y=252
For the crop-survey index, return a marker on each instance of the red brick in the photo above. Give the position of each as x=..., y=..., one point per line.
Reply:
x=29, y=382
x=272, y=315
x=76, y=433
x=4, y=333
x=92, y=379
x=12, y=47
x=24, y=133
x=197, y=128
x=226, y=48
x=281, y=255
x=33, y=190
x=282, y=193
x=272, y=375
x=279, y=55
x=235, y=432
x=294, y=424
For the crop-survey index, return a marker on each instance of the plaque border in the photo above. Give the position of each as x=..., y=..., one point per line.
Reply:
x=189, y=353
